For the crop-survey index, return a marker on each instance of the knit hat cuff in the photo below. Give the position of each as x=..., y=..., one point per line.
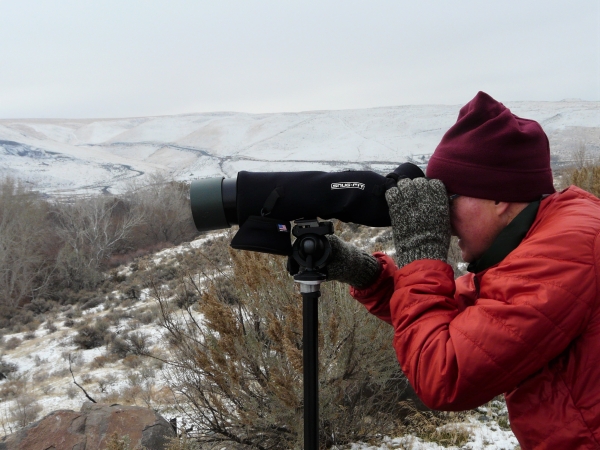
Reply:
x=492, y=183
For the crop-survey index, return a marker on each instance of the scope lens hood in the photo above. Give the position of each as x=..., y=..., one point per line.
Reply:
x=206, y=198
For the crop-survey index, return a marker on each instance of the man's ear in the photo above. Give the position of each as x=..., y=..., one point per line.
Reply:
x=502, y=208
x=509, y=210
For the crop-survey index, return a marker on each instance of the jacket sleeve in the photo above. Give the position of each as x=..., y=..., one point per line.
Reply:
x=376, y=298
x=460, y=357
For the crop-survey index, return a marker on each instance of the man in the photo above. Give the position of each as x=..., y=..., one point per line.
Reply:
x=525, y=320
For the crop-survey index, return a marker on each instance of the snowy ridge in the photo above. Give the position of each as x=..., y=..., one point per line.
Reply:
x=79, y=156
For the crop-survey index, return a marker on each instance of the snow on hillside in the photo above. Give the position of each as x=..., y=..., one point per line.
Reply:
x=79, y=156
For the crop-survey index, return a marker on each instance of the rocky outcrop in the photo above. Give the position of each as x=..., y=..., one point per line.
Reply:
x=92, y=428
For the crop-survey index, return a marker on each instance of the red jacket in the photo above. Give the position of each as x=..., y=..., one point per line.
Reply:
x=528, y=327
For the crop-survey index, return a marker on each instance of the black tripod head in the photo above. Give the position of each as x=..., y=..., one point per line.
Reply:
x=310, y=251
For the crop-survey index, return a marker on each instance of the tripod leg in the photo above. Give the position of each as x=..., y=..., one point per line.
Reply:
x=311, y=368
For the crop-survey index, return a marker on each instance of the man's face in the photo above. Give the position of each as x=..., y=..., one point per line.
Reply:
x=476, y=223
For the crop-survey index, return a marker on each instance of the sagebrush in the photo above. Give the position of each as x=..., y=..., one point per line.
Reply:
x=235, y=359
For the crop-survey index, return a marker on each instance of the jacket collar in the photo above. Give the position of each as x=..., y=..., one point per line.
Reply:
x=508, y=239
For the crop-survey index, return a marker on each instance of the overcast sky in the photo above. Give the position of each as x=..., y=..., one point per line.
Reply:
x=123, y=58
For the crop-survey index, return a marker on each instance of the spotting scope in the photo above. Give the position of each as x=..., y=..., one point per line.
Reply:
x=350, y=196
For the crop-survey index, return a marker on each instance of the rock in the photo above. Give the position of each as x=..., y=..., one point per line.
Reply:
x=92, y=428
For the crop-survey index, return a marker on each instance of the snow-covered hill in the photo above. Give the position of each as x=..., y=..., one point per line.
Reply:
x=74, y=156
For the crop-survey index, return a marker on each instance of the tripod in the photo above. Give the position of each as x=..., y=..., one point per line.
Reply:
x=310, y=252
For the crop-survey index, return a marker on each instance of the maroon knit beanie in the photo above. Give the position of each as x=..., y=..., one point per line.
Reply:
x=491, y=153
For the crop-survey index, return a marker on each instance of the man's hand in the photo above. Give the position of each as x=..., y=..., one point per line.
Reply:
x=420, y=220
x=351, y=265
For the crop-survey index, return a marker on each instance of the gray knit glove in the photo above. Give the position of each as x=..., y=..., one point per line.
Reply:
x=351, y=265
x=420, y=220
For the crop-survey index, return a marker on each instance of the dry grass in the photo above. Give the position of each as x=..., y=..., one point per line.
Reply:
x=183, y=442
x=585, y=173
x=587, y=178
x=443, y=428
x=116, y=442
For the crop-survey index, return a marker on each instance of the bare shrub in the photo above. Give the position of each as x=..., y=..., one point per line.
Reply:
x=236, y=366
x=56, y=249
x=25, y=255
x=585, y=174
x=7, y=367
x=138, y=343
x=72, y=392
x=40, y=306
x=25, y=409
x=50, y=326
x=13, y=386
x=164, y=205
x=132, y=292
x=87, y=379
x=141, y=388
x=91, y=335
x=132, y=361
x=38, y=360
x=73, y=358
x=114, y=317
x=29, y=336
x=100, y=361
x=73, y=313
x=92, y=303
x=119, y=347
x=32, y=326
x=184, y=298
x=145, y=317
x=70, y=296
x=105, y=383
x=59, y=373
x=116, y=277
x=39, y=377
x=130, y=344
x=12, y=343
x=91, y=229
x=183, y=442
x=14, y=318
x=47, y=389
x=213, y=255
x=587, y=178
